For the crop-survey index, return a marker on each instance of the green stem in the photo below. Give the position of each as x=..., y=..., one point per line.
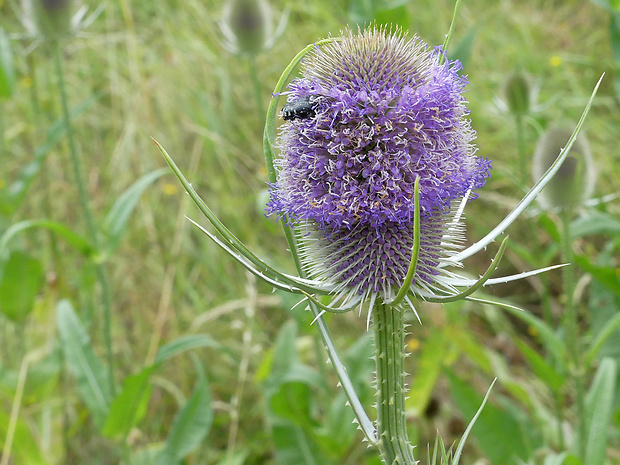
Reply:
x=88, y=216
x=390, y=358
x=571, y=326
x=258, y=93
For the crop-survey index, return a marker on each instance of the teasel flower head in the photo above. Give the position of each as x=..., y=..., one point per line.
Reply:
x=371, y=114
x=574, y=182
x=248, y=26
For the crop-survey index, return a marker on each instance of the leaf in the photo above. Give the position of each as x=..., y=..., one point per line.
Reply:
x=599, y=408
x=24, y=448
x=238, y=458
x=541, y=368
x=129, y=406
x=462, y=50
x=292, y=402
x=497, y=431
x=92, y=378
x=278, y=362
x=545, y=333
x=595, y=223
x=22, y=277
x=115, y=221
x=608, y=276
x=393, y=15
x=430, y=365
x=182, y=344
x=189, y=427
x=295, y=446
x=470, y=426
x=7, y=69
x=72, y=238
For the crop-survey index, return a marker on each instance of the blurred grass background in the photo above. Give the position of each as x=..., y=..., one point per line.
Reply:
x=158, y=69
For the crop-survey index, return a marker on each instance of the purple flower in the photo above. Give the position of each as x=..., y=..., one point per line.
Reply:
x=386, y=110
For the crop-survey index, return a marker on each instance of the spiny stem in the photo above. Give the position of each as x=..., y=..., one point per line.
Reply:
x=390, y=358
x=88, y=216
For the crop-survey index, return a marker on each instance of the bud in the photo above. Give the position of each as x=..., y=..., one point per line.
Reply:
x=372, y=113
x=574, y=181
x=247, y=26
x=49, y=19
x=518, y=93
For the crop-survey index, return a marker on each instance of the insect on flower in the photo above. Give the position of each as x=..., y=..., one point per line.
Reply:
x=302, y=108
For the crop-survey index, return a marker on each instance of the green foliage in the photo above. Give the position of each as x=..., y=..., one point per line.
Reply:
x=21, y=277
x=115, y=221
x=492, y=426
x=89, y=371
x=158, y=69
x=189, y=427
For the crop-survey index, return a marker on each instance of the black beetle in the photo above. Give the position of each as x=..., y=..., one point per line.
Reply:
x=302, y=108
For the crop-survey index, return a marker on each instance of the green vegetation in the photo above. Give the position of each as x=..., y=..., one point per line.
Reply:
x=194, y=361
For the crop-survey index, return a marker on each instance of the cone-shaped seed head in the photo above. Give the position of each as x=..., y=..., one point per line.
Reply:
x=518, y=93
x=49, y=19
x=574, y=181
x=247, y=25
x=370, y=114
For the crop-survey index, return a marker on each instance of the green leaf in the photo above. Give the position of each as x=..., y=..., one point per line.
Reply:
x=394, y=15
x=462, y=50
x=238, y=458
x=7, y=69
x=296, y=446
x=92, y=378
x=129, y=406
x=470, y=426
x=189, y=427
x=24, y=448
x=595, y=223
x=430, y=365
x=280, y=360
x=292, y=402
x=544, y=332
x=497, y=431
x=609, y=326
x=184, y=343
x=115, y=221
x=608, y=276
x=73, y=239
x=543, y=370
x=21, y=280
x=599, y=408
